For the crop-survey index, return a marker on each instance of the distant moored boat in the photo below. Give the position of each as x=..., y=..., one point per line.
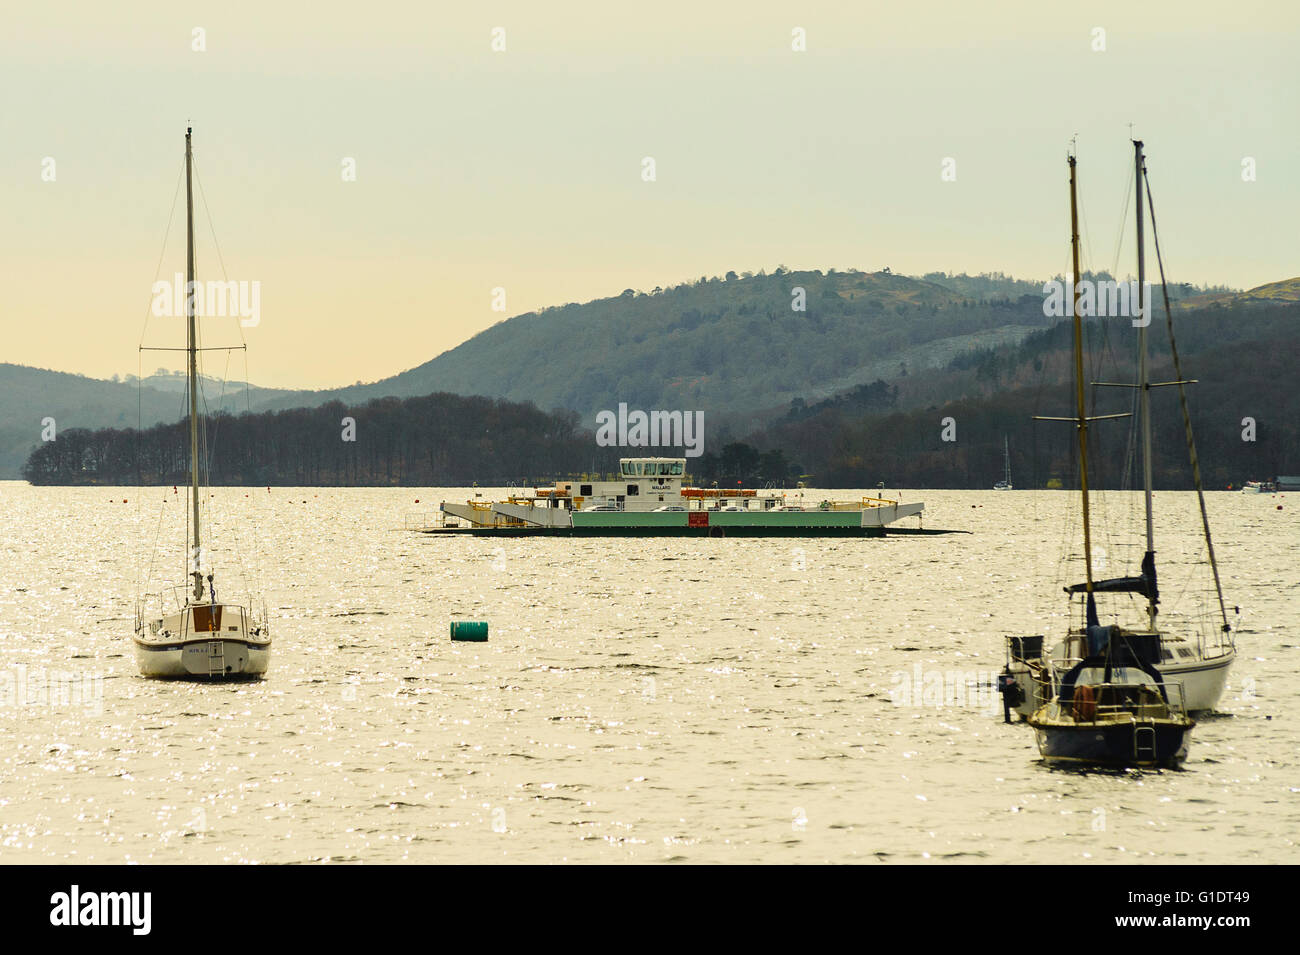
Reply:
x=1005, y=483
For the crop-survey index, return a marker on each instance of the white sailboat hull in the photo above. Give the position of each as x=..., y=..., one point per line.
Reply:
x=1203, y=681
x=203, y=641
x=219, y=659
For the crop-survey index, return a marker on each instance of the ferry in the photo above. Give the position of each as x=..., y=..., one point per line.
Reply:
x=650, y=499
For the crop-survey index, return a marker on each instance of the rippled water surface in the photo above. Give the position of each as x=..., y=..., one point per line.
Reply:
x=639, y=700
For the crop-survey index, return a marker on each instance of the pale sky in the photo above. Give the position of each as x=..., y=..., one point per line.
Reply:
x=522, y=169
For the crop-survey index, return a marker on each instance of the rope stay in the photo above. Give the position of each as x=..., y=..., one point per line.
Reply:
x=1182, y=403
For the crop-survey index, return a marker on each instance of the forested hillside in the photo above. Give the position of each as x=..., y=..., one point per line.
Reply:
x=1245, y=360
x=885, y=427
x=723, y=344
x=738, y=347
x=436, y=439
x=30, y=396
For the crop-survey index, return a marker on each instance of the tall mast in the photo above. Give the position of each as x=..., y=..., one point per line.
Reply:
x=1081, y=412
x=1187, y=422
x=1144, y=382
x=192, y=348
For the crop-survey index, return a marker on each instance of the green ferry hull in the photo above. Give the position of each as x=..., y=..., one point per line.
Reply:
x=705, y=524
x=720, y=530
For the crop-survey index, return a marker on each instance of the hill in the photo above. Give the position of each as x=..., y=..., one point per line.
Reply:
x=29, y=396
x=882, y=431
x=736, y=344
x=735, y=347
x=1272, y=293
x=1245, y=358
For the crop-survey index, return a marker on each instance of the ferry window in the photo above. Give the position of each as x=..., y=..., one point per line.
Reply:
x=633, y=490
x=584, y=490
x=678, y=467
x=664, y=468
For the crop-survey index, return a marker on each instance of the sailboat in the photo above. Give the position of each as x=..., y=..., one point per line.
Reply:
x=202, y=637
x=1186, y=675
x=1107, y=704
x=1113, y=708
x=1005, y=483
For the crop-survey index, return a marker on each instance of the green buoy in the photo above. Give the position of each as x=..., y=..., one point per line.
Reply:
x=476, y=630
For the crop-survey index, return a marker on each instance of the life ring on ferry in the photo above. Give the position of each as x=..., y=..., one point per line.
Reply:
x=1085, y=704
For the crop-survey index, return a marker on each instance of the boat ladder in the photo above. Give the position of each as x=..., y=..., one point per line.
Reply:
x=1144, y=743
x=216, y=658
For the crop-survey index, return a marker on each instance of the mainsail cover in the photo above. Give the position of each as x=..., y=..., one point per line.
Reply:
x=1144, y=584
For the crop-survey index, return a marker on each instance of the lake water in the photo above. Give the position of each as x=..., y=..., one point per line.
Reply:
x=650, y=700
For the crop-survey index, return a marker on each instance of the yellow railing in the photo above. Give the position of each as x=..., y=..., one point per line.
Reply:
x=1116, y=701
